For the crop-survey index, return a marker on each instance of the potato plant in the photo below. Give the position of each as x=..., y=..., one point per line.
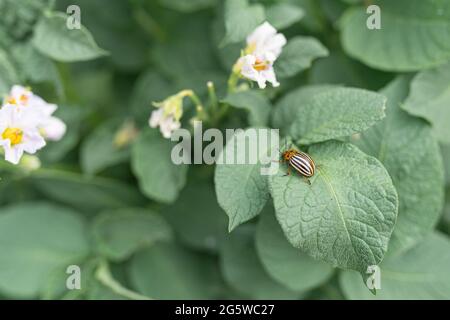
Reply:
x=99, y=96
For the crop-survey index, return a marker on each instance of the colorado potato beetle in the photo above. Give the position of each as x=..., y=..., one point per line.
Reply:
x=301, y=162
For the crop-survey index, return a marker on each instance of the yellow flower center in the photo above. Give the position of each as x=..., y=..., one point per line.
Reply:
x=11, y=100
x=13, y=134
x=23, y=99
x=260, y=65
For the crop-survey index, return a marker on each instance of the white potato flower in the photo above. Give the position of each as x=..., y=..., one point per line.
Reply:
x=167, y=116
x=166, y=123
x=18, y=133
x=52, y=128
x=265, y=39
x=264, y=45
x=259, y=69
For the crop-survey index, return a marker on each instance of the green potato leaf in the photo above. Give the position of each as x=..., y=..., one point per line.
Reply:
x=347, y=215
x=169, y=271
x=149, y=87
x=50, y=239
x=193, y=225
x=8, y=74
x=298, y=55
x=414, y=35
x=54, y=39
x=241, y=189
x=119, y=233
x=289, y=106
x=335, y=113
x=99, y=152
x=283, y=15
x=339, y=69
x=241, y=19
x=243, y=271
x=36, y=67
x=87, y=194
x=286, y=264
x=429, y=98
x=159, y=178
x=410, y=153
x=418, y=274
x=254, y=102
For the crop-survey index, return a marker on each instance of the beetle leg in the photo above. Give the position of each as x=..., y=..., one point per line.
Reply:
x=288, y=172
x=307, y=180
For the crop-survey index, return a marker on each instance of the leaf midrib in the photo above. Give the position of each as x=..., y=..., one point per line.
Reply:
x=330, y=187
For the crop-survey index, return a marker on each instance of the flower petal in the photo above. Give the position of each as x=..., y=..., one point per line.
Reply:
x=54, y=129
x=269, y=75
x=32, y=142
x=156, y=118
x=13, y=154
x=261, y=34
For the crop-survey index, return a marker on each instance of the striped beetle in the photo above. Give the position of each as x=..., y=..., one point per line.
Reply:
x=301, y=162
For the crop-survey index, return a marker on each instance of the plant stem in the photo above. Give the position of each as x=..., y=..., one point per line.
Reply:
x=195, y=99
x=103, y=274
x=232, y=84
x=212, y=97
x=201, y=113
x=233, y=81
